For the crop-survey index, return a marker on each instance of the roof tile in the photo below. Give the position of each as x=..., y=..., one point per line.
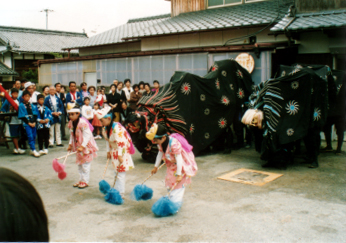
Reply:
x=324, y=19
x=258, y=13
x=5, y=70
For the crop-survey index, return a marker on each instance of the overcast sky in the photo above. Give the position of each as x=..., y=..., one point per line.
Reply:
x=95, y=16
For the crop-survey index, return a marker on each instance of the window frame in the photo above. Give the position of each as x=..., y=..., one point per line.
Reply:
x=233, y=4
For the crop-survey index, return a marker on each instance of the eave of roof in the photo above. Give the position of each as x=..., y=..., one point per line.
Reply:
x=6, y=71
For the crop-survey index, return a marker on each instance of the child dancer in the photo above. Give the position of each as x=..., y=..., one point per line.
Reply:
x=28, y=114
x=82, y=141
x=119, y=147
x=179, y=158
x=96, y=122
x=44, y=118
x=15, y=123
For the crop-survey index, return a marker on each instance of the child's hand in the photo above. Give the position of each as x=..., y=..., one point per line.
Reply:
x=47, y=120
x=69, y=148
x=42, y=121
x=80, y=149
x=179, y=178
x=108, y=155
x=154, y=170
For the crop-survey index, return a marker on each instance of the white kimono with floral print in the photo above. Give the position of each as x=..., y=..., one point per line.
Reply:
x=118, y=144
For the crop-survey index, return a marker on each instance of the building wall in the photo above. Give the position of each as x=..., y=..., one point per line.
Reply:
x=318, y=5
x=144, y=68
x=116, y=48
x=202, y=39
x=184, y=6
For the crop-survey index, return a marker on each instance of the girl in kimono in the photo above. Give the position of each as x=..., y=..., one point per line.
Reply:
x=179, y=158
x=119, y=147
x=82, y=141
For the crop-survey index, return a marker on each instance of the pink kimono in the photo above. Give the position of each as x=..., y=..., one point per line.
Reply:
x=89, y=153
x=189, y=167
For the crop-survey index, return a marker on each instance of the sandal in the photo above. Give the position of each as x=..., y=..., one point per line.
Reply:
x=82, y=185
x=76, y=184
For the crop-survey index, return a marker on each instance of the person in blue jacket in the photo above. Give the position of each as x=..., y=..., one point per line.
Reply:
x=44, y=119
x=56, y=106
x=15, y=124
x=27, y=112
x=74, y=96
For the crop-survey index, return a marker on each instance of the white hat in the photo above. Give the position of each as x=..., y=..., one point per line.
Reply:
x=102, y=113
x=27, y=84
x=72, y=107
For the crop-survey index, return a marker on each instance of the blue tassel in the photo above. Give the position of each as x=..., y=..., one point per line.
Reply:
x=113, y=196
x=165, y=207
x=141, y=192
x=104, y=186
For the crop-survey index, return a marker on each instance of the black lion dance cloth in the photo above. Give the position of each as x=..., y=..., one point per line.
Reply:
x=293, y=107
x=199, y=108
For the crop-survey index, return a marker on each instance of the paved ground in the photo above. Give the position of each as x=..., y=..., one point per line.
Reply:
x=304, y=205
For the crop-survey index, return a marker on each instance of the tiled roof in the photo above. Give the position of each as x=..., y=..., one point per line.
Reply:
x=37, y=40
x=325, y=19
x=4, y=70
x=116, y=35
x=244, y=15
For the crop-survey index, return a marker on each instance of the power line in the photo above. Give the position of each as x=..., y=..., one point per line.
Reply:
x=47, y=11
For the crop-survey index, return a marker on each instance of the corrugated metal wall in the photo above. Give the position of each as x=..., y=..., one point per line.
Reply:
x=147, y=68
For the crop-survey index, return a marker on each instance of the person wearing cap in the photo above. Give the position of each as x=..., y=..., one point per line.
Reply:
x=34, y=95
x=56, y=106
x=30, y=88
x=179, y=158
x=44, y=119
x=118, y=145
x=81, y=141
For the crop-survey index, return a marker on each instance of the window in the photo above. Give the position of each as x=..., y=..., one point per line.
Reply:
x=212, y=3
x=220, y=3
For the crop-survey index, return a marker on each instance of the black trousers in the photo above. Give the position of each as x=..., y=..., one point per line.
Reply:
x=43, y=137
x=312, y=143
x=63, y=125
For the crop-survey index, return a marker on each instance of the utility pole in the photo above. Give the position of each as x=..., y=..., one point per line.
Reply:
x=47, y=10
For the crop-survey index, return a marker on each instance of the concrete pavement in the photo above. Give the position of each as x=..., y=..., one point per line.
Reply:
x=304, y=205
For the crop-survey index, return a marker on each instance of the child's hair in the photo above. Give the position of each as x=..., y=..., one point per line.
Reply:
x=98, y=105
x=86, y=98
x=26, y=92
x=40, y=96
x=14, y=90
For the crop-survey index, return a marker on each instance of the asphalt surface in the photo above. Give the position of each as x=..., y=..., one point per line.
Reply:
x=304, y=205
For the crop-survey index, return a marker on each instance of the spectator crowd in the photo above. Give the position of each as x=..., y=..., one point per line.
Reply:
x=41, y=118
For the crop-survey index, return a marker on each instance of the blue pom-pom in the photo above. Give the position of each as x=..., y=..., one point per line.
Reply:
x=165, y=207
x=113, y=196
x=104, y=186
x=141, y=192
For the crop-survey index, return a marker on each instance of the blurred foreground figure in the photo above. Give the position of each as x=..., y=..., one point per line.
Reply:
x=22, y=214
